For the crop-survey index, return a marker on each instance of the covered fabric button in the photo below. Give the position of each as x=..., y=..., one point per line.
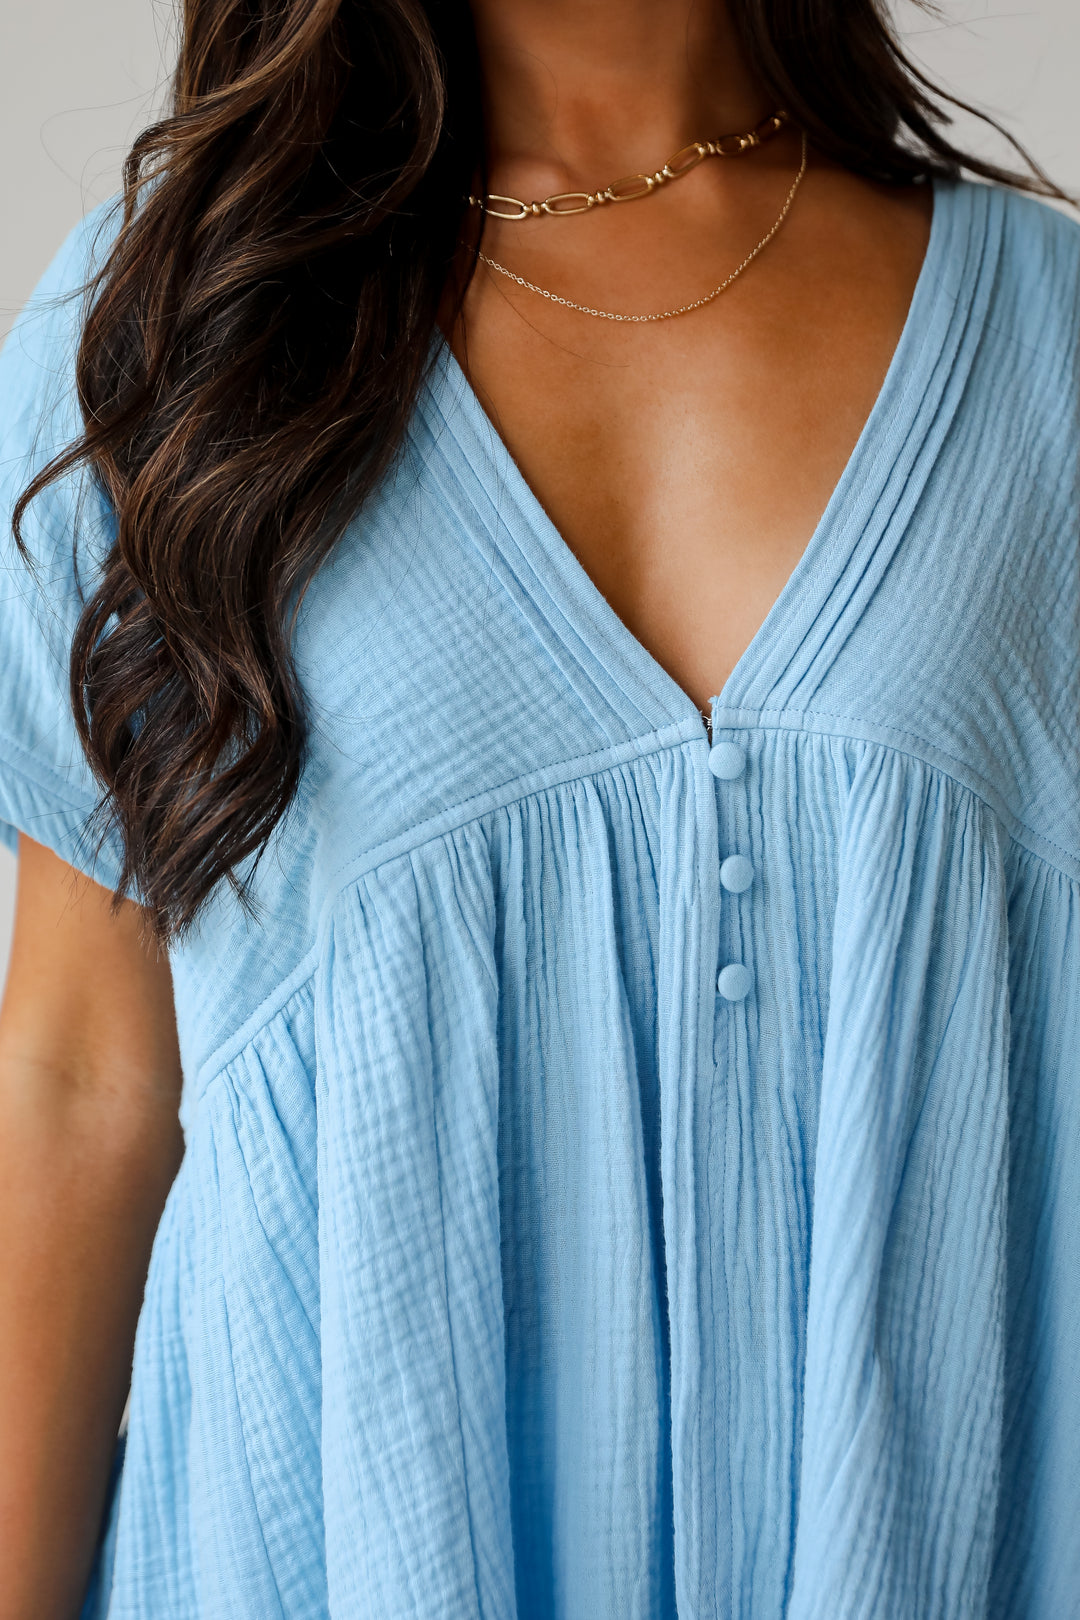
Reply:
x=734, y=981
x=736, y=873
x=727, y=760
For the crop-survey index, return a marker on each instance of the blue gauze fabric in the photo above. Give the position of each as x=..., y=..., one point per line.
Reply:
x=513, y=1271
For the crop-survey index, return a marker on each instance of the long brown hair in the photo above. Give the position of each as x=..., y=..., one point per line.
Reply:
x=253, y=348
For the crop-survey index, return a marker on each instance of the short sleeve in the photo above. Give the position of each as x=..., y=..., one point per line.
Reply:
x=46, y=787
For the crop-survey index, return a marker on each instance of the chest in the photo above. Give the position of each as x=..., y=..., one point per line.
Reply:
x=687, y=463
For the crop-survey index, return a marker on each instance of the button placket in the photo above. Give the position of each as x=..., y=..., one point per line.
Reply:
x=727, y=762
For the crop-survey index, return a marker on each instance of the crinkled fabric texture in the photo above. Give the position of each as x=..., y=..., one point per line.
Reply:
x=512, y=1272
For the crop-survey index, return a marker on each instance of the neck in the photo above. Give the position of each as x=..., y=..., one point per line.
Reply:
x=574, y=87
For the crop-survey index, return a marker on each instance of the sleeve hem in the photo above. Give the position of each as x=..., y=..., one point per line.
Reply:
x=35, y=802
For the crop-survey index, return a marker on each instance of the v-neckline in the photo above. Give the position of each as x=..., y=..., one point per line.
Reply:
x=582, y=609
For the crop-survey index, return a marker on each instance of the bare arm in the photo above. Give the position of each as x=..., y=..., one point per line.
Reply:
x=89, y=1145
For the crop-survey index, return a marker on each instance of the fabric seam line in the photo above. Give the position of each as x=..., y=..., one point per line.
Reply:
x=972, y=782
x=306, y=970
x=507, y=793
x=397, y=847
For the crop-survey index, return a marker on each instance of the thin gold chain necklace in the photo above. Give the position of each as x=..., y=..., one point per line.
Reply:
x=663, y=314
x=632, y=186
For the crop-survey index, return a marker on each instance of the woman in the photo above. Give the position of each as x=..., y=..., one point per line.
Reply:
x=607, y=788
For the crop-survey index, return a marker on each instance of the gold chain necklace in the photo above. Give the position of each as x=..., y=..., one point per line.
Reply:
x=632, y=186
x=663, y=314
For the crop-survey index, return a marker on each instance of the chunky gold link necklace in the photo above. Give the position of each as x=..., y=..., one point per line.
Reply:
x=663, y=314
x=632, y=186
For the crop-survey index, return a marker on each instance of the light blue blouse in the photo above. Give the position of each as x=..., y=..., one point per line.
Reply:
x=631, y=1170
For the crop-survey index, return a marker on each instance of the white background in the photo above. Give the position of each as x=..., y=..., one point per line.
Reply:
x=78, y=80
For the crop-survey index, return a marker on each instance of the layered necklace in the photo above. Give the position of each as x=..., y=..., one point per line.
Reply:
x=629, y=189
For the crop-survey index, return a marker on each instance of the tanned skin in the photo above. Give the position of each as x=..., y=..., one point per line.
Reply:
x=89, y=1145
x=686, y=463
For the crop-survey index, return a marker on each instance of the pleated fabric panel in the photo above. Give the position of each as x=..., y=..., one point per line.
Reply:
x=582, y=1254
x=414, y=1451
x=219, y=1510
x=534, y=1394
x=478, y=1299
x=1036, y=1567
x=904, y=1336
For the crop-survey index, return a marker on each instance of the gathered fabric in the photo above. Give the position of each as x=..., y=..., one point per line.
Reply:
x=632, y=1164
